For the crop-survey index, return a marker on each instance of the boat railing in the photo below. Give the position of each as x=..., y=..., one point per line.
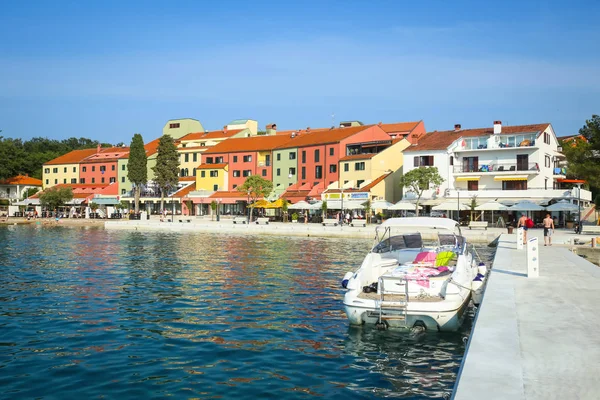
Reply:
x=392, y=305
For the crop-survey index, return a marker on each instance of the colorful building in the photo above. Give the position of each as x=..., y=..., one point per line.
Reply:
x=411, y=131
x=16, y=188
x=101, y=167
x=64, y=169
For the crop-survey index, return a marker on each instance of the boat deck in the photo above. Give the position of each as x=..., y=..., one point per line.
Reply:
x=399, y=297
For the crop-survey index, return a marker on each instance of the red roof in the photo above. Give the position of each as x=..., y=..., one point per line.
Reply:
x=441, y=140
x=181, y=193
x=318, y=137
x=187, y=179
x=79, y=188
x=22, y=180
x=212, y=166
x=399, y=127
x=232, y=194
x=254, y=143
x=72, y=157
x=108, y=154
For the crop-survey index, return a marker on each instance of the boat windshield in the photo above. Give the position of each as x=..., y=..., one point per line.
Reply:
x=407, y=241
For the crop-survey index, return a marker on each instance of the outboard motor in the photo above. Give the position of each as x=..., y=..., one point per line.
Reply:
x=346, y=279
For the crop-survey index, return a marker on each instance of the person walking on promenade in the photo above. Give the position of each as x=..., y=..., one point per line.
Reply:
x=523, y=223
x=548, y=224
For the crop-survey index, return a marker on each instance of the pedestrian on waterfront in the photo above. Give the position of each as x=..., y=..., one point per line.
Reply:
x=523, y=223
x=548, y=230
x=306, y=216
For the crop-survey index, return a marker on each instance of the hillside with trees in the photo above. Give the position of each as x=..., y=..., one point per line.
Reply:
x=27, y=157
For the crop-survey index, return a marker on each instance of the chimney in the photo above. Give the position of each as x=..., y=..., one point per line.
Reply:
x=98, y=149
x=457, y=127
x=497, y=127
x=225, y=129
x=307, y=129
x=379, y=123
x=271, y=129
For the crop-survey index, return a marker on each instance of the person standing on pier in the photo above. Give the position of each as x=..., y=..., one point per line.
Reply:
x=548, y=224
x=523, y=223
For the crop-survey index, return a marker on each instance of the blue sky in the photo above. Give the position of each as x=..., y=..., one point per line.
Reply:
x=109, y=69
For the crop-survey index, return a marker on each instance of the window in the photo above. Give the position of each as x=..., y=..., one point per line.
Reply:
x=278, y=156
x=264, y=172
x=202, y=174
x=522, y=162
x=46, y=170
x=303, y=156
x=332, y=168
x=123, y=167
x=187, y=172
x=451, y=160
x=83, y=169
x=182, y=172
x=74, y=169
x=547, y=161
x=102, y=168
x=215, y=187
x=303, y=173
x=331, y=151
x=102, y=179
x=318, y=172
x=359, y=182
x=317, y=155
x=74, y=180
x=247, y=158
x=93, y=168
x=514, y=185
x=209, y=160
x=423, y=161
x=93, y=180
x=268, y=160
x=55, y=170
x=112, y=180
x=202, y=144
x=293, y=155
x=56, y=181
x=214, y=174
x=195, y=157
x=234, y=186
x=113, y=168
x=47, y=181
x=65, y=170
x=123, y=191
x=81, y=180
x=194, y=172
x=473, y=185
x=278, y=172
x=359, y=166
x=292, y=171
x=470, y=164
x=65, y=180
x=174, y=125
x=246, y=172
x=219, y=160
x=234, y=158
x=122, y=179
x=346, y=167
x=546, y=138
x=236, y=173
x=187, y=157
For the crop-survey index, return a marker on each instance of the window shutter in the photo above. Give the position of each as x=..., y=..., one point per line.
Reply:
x=430, y=161
x=416, y=161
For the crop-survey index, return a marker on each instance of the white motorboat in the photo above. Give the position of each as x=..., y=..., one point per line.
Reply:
x=420, y=272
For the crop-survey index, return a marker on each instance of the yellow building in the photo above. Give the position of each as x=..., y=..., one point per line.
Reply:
x=178, y=128
x=212, y=177
x=64, y=169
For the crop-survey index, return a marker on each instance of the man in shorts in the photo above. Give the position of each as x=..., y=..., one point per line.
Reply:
x=548, y=230
x=523, y=223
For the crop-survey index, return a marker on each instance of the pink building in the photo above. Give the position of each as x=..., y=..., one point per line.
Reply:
x=101, y=167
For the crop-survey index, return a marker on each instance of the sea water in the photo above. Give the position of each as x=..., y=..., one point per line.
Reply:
x=89, y=313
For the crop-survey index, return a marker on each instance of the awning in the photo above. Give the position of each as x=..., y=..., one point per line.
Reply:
x=109, y=201
x=511, y=178
x=467, y=178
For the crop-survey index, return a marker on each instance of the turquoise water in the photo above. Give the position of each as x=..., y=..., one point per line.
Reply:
x=87, y=313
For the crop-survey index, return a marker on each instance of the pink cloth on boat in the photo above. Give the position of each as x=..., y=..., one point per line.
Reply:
x=421, y=275
x=426, y=257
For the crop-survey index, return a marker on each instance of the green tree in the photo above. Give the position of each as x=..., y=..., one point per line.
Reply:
x=55, y=197
x=583, y=155
x=256, y=187
x=213, y=207
x=30, y=192
x=367, y=206
x=284, y=210
x=166, y=170
x=324, y=210
x=137, y=167
x=420, y=179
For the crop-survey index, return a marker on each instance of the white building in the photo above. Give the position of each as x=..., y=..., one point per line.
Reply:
x=503, y=163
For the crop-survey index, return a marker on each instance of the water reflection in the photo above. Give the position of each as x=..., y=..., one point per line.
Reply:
x=132, y=314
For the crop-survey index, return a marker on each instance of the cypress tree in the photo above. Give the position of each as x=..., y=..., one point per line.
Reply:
x=137, y=170
x=166, y=170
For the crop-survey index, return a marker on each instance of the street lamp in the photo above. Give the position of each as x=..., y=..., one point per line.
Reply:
x=458, y=205
x=218, y=206
x=579, y=208
x=248, y=205
x=342, y=206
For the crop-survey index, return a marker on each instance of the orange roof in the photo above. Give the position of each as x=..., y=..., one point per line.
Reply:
x=212, y=166
x=181, y=193
x=254, y=143
x=302, y=131
x=187, y=179
x=365, y=156
x=365, y=188
x=72, y=157
x=441, y=140
x=399, y=127
x=233, y=194
x=313, y=138
x=107, y=154
x=79, y=188
x=22, y=180
x=217, y=134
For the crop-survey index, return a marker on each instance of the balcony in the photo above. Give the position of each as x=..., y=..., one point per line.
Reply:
x=495, y=168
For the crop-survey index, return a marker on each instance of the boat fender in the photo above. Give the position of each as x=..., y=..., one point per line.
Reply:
x=346, y=279
x=482, y=269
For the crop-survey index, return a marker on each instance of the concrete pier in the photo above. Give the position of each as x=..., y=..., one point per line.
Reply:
x=535, y=338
